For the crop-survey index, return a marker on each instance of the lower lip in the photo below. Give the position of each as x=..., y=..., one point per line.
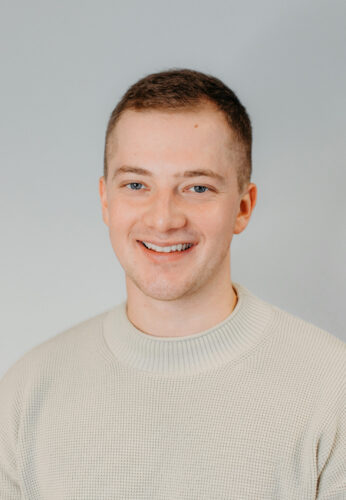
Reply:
x=165, y=256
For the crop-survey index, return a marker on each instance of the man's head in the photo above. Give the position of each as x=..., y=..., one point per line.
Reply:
x=172, y=176
x=185, y=89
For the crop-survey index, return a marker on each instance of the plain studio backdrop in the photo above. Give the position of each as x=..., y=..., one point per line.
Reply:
x=65, y=65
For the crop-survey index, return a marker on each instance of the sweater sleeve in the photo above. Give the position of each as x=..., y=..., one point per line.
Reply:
x=331, y=455
x=9, y=420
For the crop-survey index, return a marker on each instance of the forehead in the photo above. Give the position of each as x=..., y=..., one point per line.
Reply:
x=204, y=113
x=201, y=136
x=148, y=124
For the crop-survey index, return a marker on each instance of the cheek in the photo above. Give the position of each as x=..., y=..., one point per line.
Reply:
x=216, y=222
x=122, y=211
x=119, y=221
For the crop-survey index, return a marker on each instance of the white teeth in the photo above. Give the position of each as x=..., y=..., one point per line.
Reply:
x=173, y=248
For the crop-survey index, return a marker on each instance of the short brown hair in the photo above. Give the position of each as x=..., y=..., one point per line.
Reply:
x=177, y=89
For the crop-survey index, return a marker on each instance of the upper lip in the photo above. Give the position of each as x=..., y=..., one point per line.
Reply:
x=168, y=243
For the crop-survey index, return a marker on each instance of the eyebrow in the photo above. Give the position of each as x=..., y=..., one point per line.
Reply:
x=200, y=172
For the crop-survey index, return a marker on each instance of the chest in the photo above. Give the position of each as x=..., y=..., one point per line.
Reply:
x=123, y=440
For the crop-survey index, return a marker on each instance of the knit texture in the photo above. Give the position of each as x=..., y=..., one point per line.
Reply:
x=253, y=408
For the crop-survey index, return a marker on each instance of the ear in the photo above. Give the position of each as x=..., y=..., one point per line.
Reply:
x=103, y=197
x=246, y=206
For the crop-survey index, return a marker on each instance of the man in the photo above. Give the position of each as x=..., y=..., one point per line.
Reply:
x=192, y=388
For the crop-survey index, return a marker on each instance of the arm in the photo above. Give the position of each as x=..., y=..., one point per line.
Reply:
x=9, y=419
x=331, y=454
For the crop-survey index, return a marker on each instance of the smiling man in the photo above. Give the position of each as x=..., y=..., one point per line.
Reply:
x=172, y=180
x=193, y=387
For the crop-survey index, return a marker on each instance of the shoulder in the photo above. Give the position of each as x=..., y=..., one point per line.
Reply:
x=306, y=362
x=307, y=346
x=54, y=353
x=303, y=331
x=291, y=335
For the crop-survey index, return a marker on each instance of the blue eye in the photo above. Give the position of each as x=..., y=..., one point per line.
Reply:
x=134, y=184
x=203, y=187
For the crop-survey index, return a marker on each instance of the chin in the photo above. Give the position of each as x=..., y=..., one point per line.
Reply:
x=161, y=293
x=163, y=290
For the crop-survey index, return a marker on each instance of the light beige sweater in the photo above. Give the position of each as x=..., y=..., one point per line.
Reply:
x=253, y=408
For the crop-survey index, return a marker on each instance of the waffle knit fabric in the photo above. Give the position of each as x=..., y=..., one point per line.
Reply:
x=253, y=408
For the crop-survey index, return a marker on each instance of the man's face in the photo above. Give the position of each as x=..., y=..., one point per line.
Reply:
x=165, y=206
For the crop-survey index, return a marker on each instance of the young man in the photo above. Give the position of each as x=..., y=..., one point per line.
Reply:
x=192, y=388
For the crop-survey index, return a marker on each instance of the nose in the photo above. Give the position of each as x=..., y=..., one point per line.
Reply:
x=164, y=213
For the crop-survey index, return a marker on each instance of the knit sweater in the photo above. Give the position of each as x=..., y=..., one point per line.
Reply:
x=252, y=408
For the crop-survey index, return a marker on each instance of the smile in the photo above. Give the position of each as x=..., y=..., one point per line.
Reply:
x=168, y=254
x=173, y=248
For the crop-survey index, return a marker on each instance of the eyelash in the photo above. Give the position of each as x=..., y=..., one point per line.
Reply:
x=196, y=185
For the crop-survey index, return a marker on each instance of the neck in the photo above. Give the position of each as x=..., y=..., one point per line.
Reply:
x=182, y=317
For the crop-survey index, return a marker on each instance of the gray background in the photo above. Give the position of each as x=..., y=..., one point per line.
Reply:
x=64, y=67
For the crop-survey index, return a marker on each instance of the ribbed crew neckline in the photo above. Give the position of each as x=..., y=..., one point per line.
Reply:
x=227, y=340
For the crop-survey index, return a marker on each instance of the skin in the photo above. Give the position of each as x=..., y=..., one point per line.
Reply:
x=194, y=292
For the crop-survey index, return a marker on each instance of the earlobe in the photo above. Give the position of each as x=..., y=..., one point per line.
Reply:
x=239, y=225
